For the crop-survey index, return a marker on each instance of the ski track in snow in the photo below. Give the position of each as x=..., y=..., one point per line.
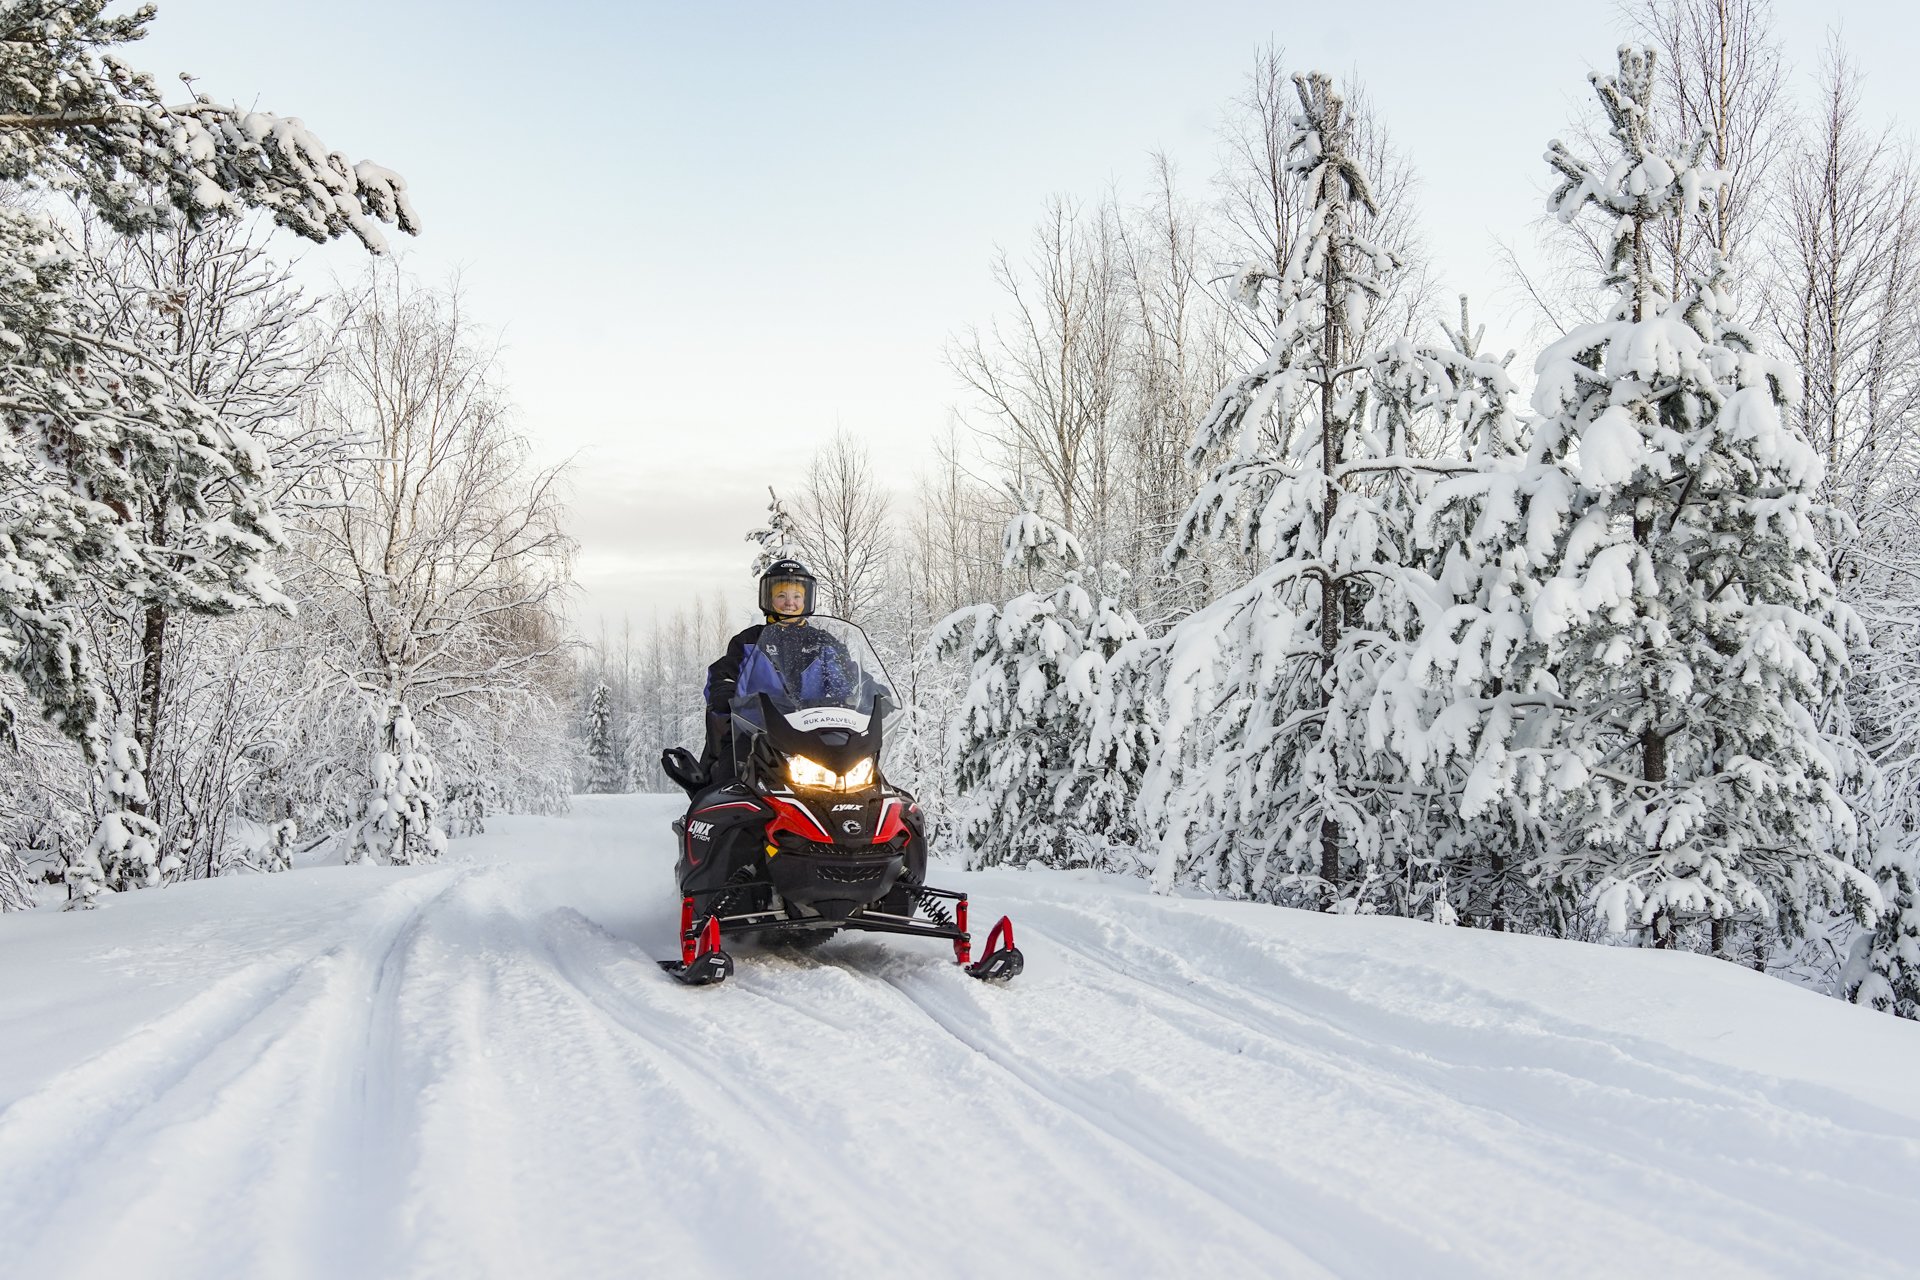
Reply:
x=476, y=1070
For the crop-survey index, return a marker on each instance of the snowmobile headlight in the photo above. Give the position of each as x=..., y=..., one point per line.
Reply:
x=805, y=773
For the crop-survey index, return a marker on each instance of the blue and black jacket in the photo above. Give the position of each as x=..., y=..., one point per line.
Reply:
x=824, y=669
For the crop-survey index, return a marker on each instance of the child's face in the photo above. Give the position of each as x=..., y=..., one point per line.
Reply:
x=789, y=599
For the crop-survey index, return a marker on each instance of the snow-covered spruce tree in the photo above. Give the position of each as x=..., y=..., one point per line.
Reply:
x=1487, y=827
x=401, y=821
x=1883, y=967
x=1120, y=728
x=1275, y=778
x=94, y=427
x=606, y=771
x=126, y=850
x=1384, y=702
x=778, y=539
x=1684, y=618
x=1028, y=784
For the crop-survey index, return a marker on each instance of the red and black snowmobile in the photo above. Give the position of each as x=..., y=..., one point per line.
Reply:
x=807, y=837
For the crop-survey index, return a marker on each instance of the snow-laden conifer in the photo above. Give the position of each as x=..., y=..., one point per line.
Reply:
x=1118, y=729
x=1486, y=827
x=1684, y=628
x=607, y=772
x=400, y=817
x=125, y=852
x=1277, y=767
x=1883, y=969
x=778, y=539
x=1028, y=784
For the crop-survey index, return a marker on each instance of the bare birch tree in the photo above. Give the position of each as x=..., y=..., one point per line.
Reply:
x=441, y=556
x=1047, y=374
x=1721, y=76
x=1179, y=349
x=841, y=523
x=1849, y=235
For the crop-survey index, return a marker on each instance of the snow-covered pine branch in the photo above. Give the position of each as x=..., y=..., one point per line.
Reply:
x=74, y=117
x=603, y=749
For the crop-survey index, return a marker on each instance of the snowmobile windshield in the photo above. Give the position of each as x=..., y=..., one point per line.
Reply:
x=819, y=663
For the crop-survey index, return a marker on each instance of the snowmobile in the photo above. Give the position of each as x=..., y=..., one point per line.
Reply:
x=808, y=837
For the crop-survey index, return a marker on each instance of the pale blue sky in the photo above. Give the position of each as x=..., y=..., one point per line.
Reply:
x=709, y=232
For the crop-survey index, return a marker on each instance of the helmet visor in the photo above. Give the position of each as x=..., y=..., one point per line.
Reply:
x=786, y=596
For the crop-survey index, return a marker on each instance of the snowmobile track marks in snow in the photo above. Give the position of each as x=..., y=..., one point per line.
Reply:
x=235, y=1060
x=368, y=1162
x=947, y=991
x=1447, y=1086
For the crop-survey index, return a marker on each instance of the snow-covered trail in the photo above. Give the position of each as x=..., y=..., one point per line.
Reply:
x=476, y=1070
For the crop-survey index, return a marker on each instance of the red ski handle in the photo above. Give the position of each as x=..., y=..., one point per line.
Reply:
x=1001, y=935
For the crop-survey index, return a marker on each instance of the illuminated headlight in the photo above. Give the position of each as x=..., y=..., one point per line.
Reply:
x=803, y=772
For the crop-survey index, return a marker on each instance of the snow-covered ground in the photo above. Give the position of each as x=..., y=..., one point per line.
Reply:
x=476, y=1070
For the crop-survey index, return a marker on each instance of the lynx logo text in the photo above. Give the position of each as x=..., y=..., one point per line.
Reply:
x=700, y=830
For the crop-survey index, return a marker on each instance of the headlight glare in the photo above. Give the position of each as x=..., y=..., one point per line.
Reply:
x=805, y=773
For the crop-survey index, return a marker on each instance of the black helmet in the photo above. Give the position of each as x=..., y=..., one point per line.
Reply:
x=785, y=572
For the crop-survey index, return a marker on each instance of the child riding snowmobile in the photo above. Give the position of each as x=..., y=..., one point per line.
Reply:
x=792, y=830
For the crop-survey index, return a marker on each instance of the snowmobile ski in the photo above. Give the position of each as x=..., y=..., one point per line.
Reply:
x=1000, y=962
x=702, y=962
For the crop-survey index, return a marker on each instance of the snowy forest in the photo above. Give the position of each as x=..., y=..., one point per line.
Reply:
x=278, y=572
x=1253, y=565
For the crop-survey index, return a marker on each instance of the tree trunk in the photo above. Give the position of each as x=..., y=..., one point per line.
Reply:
x=1653, y=767
x=1330, y=613
x=1497, y=915
x=146, y=707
